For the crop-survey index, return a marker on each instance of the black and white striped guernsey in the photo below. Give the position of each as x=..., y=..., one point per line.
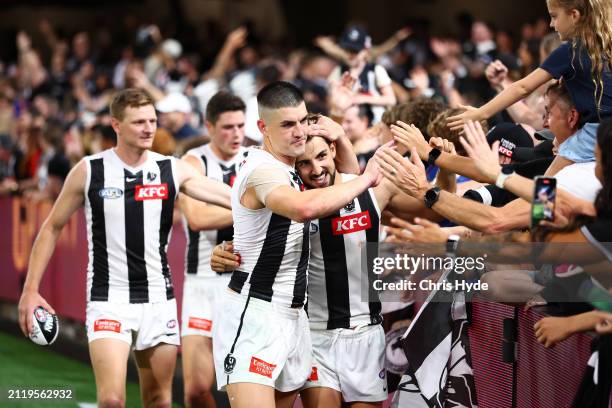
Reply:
x=128, y=213
x=273, y=249
x=201, y=243
x=337, y=256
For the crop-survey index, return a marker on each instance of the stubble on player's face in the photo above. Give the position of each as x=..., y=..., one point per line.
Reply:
x=286, y=129
x=137, y=129
x=316, y=166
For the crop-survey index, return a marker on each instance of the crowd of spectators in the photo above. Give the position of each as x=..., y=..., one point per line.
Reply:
x=54, y=110
x=54, y=94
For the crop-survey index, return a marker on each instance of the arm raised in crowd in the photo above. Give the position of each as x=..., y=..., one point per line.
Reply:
x=508, y=97
x=408, y=136
x=234, y=40
x=497, y=75
x=486, y=162
x=409, y=175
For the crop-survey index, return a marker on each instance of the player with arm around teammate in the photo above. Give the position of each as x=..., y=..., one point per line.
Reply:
x=128, y=193
x=347, y=337
x=261, y=344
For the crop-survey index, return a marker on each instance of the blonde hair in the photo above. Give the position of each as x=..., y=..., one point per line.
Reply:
x=130, y=97
x=594, y=31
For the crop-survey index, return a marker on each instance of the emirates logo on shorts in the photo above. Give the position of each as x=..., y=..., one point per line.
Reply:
x=258, y=366
x=314, y=375
x=107, y=325
x=200, y=324
x=151, y=192
x=352, y=223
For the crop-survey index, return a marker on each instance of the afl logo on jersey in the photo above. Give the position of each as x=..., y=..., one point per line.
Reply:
x=151, y=192
x=110, y=193
x=314, y=228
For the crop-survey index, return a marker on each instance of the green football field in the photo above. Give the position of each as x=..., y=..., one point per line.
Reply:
x=23, y=364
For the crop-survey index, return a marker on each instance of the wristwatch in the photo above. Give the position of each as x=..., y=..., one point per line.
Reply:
x=431, y=196
x=505, y=172
x=433, y=156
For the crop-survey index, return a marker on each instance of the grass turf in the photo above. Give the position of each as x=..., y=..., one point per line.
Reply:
x=25, y=365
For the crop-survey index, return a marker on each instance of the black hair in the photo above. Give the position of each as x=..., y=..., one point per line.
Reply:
x=279, y=94
x=365, y=111
x=222, y=102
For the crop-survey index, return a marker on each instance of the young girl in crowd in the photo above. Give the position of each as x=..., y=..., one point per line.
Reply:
x=583, y=62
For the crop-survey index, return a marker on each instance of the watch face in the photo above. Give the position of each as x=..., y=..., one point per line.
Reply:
x=507, y=170
x=430, y=195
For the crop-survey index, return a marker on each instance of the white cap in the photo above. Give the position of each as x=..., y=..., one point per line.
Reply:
x=174, y=102
x=172, y=47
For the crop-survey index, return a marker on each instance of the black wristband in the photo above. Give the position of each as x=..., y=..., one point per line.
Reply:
x=433, y=156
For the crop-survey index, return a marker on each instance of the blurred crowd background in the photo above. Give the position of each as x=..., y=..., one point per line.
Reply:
x=57, y=76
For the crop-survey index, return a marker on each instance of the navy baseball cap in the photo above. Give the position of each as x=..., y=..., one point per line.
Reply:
x=510, y=136
x=354, y=39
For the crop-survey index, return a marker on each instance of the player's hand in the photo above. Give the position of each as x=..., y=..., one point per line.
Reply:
x=422, y=231
x=30, y=300
x=551, y=330
x=326, y=128
x=485, y=157
x=410, y=136
x=408, y=175
x=223, y=258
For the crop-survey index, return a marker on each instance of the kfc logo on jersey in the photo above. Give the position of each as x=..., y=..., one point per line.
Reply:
x=151, y=192
x=261, y=367
x=107, y=325
x=352, y=223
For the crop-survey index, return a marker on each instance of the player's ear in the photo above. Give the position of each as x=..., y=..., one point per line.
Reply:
x=115, y=124
x=332, y=149
x=261, y=125
x=209, y=126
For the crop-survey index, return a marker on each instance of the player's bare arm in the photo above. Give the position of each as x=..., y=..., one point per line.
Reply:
x=317, y=203
x=202, y=216
x=70, y=199
x=199, y=187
